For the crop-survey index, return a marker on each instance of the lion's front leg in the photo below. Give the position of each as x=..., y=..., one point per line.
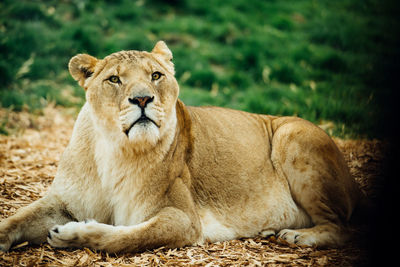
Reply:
x=174, y=226
x=171, y=228
x=33, y=222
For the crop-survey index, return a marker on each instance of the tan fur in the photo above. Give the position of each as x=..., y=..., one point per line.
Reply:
x=188, y=176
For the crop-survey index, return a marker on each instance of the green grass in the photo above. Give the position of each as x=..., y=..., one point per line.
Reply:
x=323, y=60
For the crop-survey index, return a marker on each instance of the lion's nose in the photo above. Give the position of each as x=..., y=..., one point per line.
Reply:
x=141, y=101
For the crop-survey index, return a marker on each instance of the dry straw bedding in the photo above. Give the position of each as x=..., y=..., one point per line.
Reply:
x=28, y=163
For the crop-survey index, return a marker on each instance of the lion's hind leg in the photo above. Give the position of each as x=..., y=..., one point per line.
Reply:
x=318, y=180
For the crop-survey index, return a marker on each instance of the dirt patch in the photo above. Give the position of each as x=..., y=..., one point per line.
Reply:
x=28, y=163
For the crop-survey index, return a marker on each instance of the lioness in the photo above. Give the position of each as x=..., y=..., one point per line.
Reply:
x=143, y=170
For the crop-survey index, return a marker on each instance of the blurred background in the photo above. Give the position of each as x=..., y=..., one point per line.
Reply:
x=331, y=62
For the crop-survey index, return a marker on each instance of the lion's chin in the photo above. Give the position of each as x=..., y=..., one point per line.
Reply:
x=144, y=134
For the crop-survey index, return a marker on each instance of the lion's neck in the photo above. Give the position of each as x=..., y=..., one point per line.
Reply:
x=126, y=172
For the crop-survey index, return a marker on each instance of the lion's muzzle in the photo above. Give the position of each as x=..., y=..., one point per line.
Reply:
x=142, y=120
x=141, y=102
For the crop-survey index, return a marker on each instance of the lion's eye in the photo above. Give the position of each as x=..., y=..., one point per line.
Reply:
x=156, y=75
x=114, y=79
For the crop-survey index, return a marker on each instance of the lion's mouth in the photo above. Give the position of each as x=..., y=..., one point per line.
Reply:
x=142, y=120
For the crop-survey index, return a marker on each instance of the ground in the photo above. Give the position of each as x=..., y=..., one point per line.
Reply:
x=28, y=163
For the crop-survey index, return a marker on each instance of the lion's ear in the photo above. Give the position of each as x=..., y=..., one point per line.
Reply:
x=162, y=49
x=81, y=67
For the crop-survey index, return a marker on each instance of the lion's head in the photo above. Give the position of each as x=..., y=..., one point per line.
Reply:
x=132, y=94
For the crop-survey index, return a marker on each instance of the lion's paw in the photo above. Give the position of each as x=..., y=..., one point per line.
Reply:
x=297, y=237
x=88, y=233
x=68, y=235
x=5, y=242
x=4, y=247
x=267, y=233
